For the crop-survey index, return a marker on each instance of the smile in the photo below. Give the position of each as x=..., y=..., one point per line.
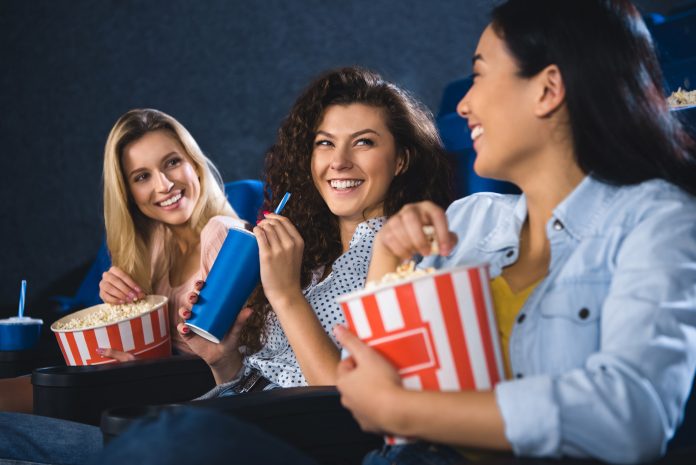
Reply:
x=476, y=132
x=171, y=200
x=344, y=184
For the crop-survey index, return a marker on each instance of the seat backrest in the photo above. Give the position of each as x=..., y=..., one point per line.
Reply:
x=246, y=198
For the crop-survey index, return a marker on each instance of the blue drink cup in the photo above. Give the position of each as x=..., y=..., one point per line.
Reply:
x=233, y=277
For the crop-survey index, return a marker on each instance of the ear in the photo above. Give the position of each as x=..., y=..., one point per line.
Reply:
x=552, y=91
x=402, y=162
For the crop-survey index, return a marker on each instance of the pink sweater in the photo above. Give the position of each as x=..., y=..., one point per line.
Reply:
x=212, y=237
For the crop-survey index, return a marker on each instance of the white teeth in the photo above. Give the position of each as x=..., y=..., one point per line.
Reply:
x=476, y=132
x=171, y=201
x=345, y=184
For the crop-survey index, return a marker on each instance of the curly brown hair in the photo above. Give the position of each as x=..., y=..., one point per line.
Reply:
x=426, y=175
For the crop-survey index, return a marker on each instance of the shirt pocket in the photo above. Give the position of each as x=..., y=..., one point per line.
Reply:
x=570, y=324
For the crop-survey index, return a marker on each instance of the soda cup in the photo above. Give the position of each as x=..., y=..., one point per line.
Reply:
x=232, y=278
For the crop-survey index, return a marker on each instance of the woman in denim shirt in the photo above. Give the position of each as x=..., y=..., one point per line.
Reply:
x=567, y=104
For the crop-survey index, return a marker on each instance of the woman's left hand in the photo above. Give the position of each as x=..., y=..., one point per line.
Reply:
x=117, y=355
x=280, y=251
x=368, y=383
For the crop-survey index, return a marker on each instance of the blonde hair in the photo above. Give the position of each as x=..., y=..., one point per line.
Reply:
x=129, y=233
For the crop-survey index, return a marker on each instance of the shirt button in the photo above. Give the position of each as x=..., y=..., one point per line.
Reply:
x=521, y=318
x=519, y=376
x=557, y=225
x=583, y=313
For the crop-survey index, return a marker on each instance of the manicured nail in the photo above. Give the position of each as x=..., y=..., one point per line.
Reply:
x=185, y=330
x=199, y=284
x=193, y=298
x=266, y=212
x=138, y=290
x=187, y=314
x=101, y=351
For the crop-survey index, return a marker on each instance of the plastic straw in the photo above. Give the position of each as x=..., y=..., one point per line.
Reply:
x=22, y=294
x=282, y=203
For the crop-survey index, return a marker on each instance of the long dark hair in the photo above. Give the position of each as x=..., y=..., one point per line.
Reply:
x=622, y=129
x=426, y=176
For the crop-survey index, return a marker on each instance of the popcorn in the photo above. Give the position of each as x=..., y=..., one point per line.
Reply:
x=107, y=313
x=682, y=97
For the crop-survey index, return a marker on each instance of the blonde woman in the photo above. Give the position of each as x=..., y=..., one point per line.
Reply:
x=166, y=217
x=165, y=212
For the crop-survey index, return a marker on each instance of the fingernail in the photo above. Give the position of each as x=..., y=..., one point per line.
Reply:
x=187, y=314
x=100, y=351
x=137, y=289
x=199, y=284
x=185, y=330
x=266, y=212
x=192, y=298
x=122, y=302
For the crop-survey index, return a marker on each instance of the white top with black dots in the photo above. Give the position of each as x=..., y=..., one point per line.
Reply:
x=276, y=360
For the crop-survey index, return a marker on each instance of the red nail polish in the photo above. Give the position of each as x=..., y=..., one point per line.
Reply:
x=185, y=329
x=100, y=351
x=200, y=283
x=193, y=298
x=187, y=314
x=266, y=212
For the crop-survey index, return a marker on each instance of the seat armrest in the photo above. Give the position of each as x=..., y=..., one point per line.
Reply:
x=81, y=393
x=310, y=418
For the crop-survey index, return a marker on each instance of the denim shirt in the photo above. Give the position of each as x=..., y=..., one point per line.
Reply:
x=604, y=350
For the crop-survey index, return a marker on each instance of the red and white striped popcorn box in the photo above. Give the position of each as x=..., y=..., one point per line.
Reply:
x=145, y=335
x=438, y=330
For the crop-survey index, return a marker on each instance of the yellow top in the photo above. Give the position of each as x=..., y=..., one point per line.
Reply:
x=507, y=305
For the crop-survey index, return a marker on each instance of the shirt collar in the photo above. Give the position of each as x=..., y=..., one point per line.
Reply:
x=581, y=210
x=506, y=233
x=370, y=226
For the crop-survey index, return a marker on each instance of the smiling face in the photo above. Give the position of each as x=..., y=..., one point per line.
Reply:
x=354, y=161
x=161, y=178
x=499, y=108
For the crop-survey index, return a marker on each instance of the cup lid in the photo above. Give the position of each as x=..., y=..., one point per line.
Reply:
x=24, y=320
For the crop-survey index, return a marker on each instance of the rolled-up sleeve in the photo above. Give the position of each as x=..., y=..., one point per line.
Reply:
x=626, y=402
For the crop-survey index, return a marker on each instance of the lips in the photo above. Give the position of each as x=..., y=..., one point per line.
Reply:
x=171, y=200
x=345, y=184
x=476, y=132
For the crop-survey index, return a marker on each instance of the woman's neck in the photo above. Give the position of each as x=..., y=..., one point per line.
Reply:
x=185, y=237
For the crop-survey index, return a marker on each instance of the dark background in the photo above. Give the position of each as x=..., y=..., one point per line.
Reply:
x=228, y=70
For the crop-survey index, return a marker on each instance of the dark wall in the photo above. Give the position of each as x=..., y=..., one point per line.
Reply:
x=228, y=70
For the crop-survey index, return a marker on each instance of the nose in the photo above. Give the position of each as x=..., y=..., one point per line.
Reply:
x=162, y=183
x=341, y=159
x=463, y=106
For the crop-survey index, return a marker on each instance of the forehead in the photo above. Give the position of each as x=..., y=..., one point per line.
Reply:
x=492, y=49
x=150, y=148
x=352, y=117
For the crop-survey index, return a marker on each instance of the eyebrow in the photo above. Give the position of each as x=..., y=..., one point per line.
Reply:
x=476, y=58
x=355, y=134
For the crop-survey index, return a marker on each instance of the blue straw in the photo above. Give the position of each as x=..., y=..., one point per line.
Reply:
x=22, y=294
x=282, y=203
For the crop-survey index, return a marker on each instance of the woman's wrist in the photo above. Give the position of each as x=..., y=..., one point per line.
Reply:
x=227, y=368
x=382, y=261
x=286, y=299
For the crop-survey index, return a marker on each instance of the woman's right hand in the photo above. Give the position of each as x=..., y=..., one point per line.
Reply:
x=403, y=234
x=224, y=358
x=116, y=287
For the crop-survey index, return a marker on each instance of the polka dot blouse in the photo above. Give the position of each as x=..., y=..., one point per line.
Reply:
x=276, y=360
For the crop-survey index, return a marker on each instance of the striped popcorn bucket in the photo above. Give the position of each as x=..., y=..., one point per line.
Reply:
x=145, y=336
x=438, y=330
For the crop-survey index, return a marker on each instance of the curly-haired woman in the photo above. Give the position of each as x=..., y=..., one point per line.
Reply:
x=353, y=150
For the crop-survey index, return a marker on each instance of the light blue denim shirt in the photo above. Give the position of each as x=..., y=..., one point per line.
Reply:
x=604, y=350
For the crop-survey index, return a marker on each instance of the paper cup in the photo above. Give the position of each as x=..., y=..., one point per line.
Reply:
x=145, y=335
x=19, y=333
x=232, y=278
x=438, y=330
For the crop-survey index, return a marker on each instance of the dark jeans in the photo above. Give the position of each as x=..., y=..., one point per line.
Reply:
x=419, y=453
x=32, y=439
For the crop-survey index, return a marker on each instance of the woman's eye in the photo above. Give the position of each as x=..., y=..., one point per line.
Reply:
x=173, y=161
x=323, y=143
x=364, y=141
x=141, y=177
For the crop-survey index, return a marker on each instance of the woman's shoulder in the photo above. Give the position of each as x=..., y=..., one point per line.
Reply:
x=481, y=207
x=219, y=225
